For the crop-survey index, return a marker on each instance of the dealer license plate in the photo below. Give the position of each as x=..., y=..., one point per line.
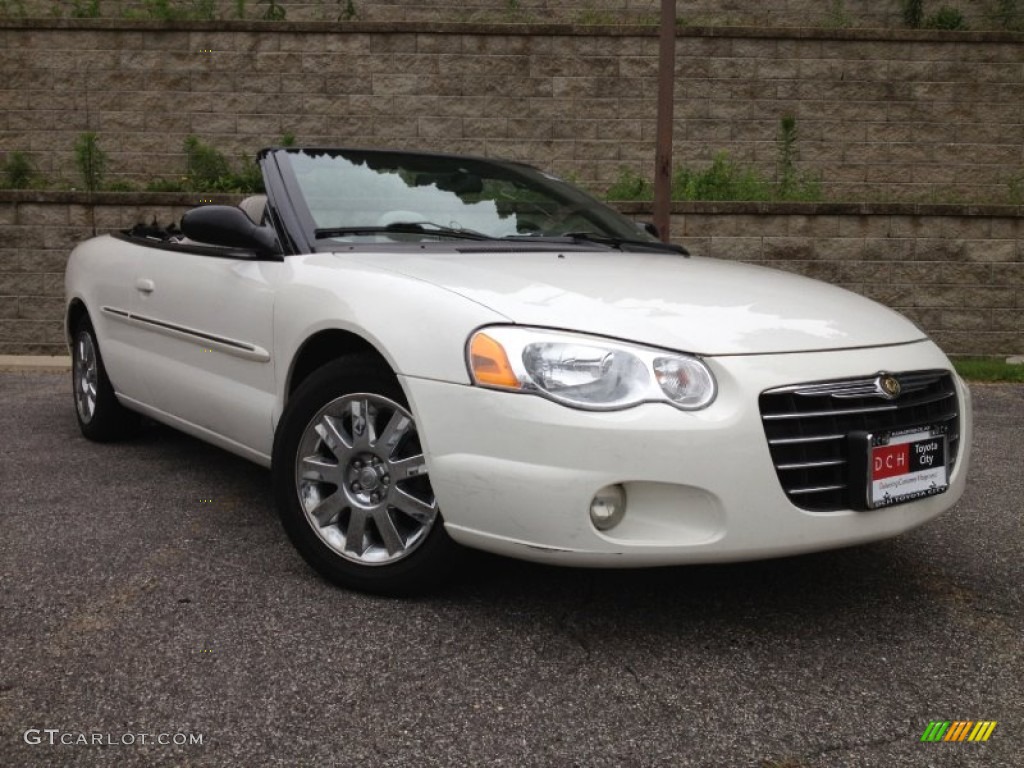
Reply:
x=906, y=465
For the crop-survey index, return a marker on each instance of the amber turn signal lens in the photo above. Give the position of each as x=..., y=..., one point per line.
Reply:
x=489, y=363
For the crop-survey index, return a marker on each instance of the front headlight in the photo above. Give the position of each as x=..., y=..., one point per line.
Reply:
x=586, y=371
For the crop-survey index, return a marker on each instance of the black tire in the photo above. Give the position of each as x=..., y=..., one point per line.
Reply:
x=331, y=547
x=100, y=416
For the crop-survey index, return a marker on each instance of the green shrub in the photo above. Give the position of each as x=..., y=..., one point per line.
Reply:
x=274, y=12
x=12, y=8
x=726, y=180
x=203, y=10
x=348, y=12
x=249, y=178
x=161, y=9
x=630, y=186
x=723, y=180
x=913, y=13
x=179, y=10
x=18, y=171
x=836, y=17
x=946, y=18
x=91, y=161
x=85, y=9
x=120, y=185
x=205, y=168
x=1015, y=190
x=166, y=185
x=208, y=170
x=790, y=183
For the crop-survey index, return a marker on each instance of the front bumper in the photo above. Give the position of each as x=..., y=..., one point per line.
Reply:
x=515, y=474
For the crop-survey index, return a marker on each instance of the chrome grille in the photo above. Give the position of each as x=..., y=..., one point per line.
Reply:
x=807, y=426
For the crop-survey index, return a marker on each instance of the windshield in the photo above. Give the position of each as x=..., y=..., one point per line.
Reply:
x=374, y=196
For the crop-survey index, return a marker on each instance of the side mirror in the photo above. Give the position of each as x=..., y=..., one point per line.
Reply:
x=650, y=228
x=229, y=226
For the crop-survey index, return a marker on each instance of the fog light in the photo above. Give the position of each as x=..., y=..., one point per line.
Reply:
x=608, y=507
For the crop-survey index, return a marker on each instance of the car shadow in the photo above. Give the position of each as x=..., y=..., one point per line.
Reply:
x=857, y=584
x=853, y=590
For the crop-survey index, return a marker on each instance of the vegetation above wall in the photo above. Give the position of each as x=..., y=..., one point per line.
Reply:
x=270, y=10
x=921, y=116
x=163, y=10
x=207, y=169
x=727, y=180
x=836, y=14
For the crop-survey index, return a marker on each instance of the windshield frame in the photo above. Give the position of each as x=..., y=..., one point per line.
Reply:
x=610, y=225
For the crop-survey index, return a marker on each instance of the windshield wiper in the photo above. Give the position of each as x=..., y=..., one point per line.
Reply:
x=621, y=243
x=404, y=228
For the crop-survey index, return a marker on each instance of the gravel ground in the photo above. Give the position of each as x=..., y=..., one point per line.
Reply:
x=148, y=592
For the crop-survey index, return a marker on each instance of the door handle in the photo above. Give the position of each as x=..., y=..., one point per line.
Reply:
x=144, y=285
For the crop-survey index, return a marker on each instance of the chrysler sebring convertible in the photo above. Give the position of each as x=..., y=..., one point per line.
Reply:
x=432, y=352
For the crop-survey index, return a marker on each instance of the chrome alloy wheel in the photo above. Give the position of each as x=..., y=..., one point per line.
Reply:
x=85, y=379
x=362, y=479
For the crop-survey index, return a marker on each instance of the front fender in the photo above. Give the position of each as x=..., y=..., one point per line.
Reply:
x=419, y=328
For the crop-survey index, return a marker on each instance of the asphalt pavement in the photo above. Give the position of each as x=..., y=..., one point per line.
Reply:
x=149, y=595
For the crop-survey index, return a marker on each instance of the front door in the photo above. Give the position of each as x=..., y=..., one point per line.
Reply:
x=207, y=356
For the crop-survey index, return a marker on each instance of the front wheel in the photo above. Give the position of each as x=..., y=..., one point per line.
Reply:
x=352, y=486
x=100, y=416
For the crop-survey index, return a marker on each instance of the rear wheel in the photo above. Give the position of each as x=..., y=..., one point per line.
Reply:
x=100, y=416
x=352, y=485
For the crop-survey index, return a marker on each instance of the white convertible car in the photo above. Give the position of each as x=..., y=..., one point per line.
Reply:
x=431, y=351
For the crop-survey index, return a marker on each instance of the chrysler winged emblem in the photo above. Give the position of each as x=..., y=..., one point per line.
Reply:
x=887, y=386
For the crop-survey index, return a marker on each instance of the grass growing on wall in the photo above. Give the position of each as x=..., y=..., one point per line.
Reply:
x=726, y=180
x=947, y=17
x=12, y=8
x=1015, y=190
x=17, y=171
x=833, y=14
x=912, y=12
x=274, y=11
x=722, y=180
x=164, y=10
x=208, y=170
x=836, y=16
x=85, y=9
x=91, y=161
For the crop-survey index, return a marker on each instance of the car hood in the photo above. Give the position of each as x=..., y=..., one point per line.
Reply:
x=698, y=305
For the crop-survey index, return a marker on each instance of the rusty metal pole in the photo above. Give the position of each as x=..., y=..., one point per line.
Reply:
x=666, y=106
